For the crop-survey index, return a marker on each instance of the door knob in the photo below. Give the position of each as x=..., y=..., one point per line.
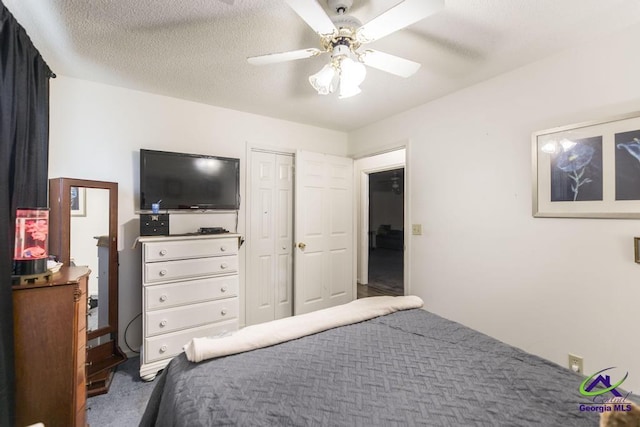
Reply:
x=302, y=245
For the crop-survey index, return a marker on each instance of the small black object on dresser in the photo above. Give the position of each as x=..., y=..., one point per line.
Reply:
x=154, y=224
x=212, y=230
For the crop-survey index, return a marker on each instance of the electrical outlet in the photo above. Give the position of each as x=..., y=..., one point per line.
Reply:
x=575, y=363
x=416, y=229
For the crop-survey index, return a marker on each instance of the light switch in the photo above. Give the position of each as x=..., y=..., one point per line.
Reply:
x=416, y=229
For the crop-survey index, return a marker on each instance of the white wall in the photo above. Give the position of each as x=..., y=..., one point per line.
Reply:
x=96, y=133
x=549, y=286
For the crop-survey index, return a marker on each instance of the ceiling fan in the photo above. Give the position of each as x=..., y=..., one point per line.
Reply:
x=392, y=180
x=344, y=37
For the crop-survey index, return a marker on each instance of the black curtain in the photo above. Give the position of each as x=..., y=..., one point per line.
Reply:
x=24, y=154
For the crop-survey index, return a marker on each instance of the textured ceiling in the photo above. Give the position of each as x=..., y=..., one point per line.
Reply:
x=197, y=49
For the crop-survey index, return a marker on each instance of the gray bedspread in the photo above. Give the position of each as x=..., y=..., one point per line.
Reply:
x=407, y=368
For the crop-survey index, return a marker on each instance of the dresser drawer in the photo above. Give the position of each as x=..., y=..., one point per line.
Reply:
x=193, y=291
x=169, y=345
x=173, y=319
x=161, y=251
x=167, y=271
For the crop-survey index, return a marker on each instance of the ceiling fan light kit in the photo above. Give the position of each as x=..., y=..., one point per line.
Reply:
x=343, y=72
x=342, y=36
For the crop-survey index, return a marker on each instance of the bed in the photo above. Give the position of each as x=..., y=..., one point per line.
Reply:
x=409, y=367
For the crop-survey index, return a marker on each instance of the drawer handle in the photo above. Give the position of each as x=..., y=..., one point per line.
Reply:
x=223, y=312
x=163, y=323
x=163, y=252
x=223, y=248
x=163, y=349
x=223, y=289
x=224, y=265
x=163, y=272
x=163, y=298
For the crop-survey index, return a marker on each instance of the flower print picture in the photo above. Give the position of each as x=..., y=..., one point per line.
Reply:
x=627, y=160
x=576, y=171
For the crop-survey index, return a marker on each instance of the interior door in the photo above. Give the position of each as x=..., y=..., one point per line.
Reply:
x=270, y=275
x=324, y=257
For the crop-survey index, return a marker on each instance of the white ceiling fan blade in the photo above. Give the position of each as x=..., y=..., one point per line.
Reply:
x=314, y=15
x=274, y=58
x=398, y=17
x=389, y=63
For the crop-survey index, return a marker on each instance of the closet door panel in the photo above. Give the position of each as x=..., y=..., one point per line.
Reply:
x=270, y=267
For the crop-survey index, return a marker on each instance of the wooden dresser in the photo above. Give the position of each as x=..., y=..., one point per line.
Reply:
x=50, y=349
x=189, y=289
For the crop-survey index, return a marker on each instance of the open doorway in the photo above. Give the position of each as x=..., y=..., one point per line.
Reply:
x=386, y=232
x=383, y=218
x=385, y=235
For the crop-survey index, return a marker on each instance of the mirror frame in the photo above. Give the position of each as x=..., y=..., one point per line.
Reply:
x=60, y=238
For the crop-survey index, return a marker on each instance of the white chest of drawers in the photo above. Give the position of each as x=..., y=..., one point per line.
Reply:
x=189, y=289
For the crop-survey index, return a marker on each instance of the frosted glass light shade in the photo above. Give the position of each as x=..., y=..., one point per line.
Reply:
x=347, y=91
x=352, y=73
x=324, y=80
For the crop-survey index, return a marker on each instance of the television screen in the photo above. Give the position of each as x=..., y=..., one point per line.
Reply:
x=188, y=181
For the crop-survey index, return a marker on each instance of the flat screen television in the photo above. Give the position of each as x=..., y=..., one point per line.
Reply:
x=188, y=181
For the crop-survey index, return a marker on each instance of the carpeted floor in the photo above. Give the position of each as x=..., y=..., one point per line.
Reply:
x=386, y=271
x=124, y=405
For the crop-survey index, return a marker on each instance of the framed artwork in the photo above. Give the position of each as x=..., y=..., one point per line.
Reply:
x=588, y=170
x=78, y=201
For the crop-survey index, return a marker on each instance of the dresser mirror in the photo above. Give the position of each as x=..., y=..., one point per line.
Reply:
x=83, y=231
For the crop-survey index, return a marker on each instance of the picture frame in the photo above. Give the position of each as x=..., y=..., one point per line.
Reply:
x=78, y=201
x=588, y=170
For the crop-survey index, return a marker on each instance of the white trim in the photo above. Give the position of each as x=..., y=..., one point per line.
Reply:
x=381, y=150
x=407, y=219
x=270, y=149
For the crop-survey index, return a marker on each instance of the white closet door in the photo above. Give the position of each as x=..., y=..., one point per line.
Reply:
x=269, y=278
x=324, y=256
x=284, y=237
